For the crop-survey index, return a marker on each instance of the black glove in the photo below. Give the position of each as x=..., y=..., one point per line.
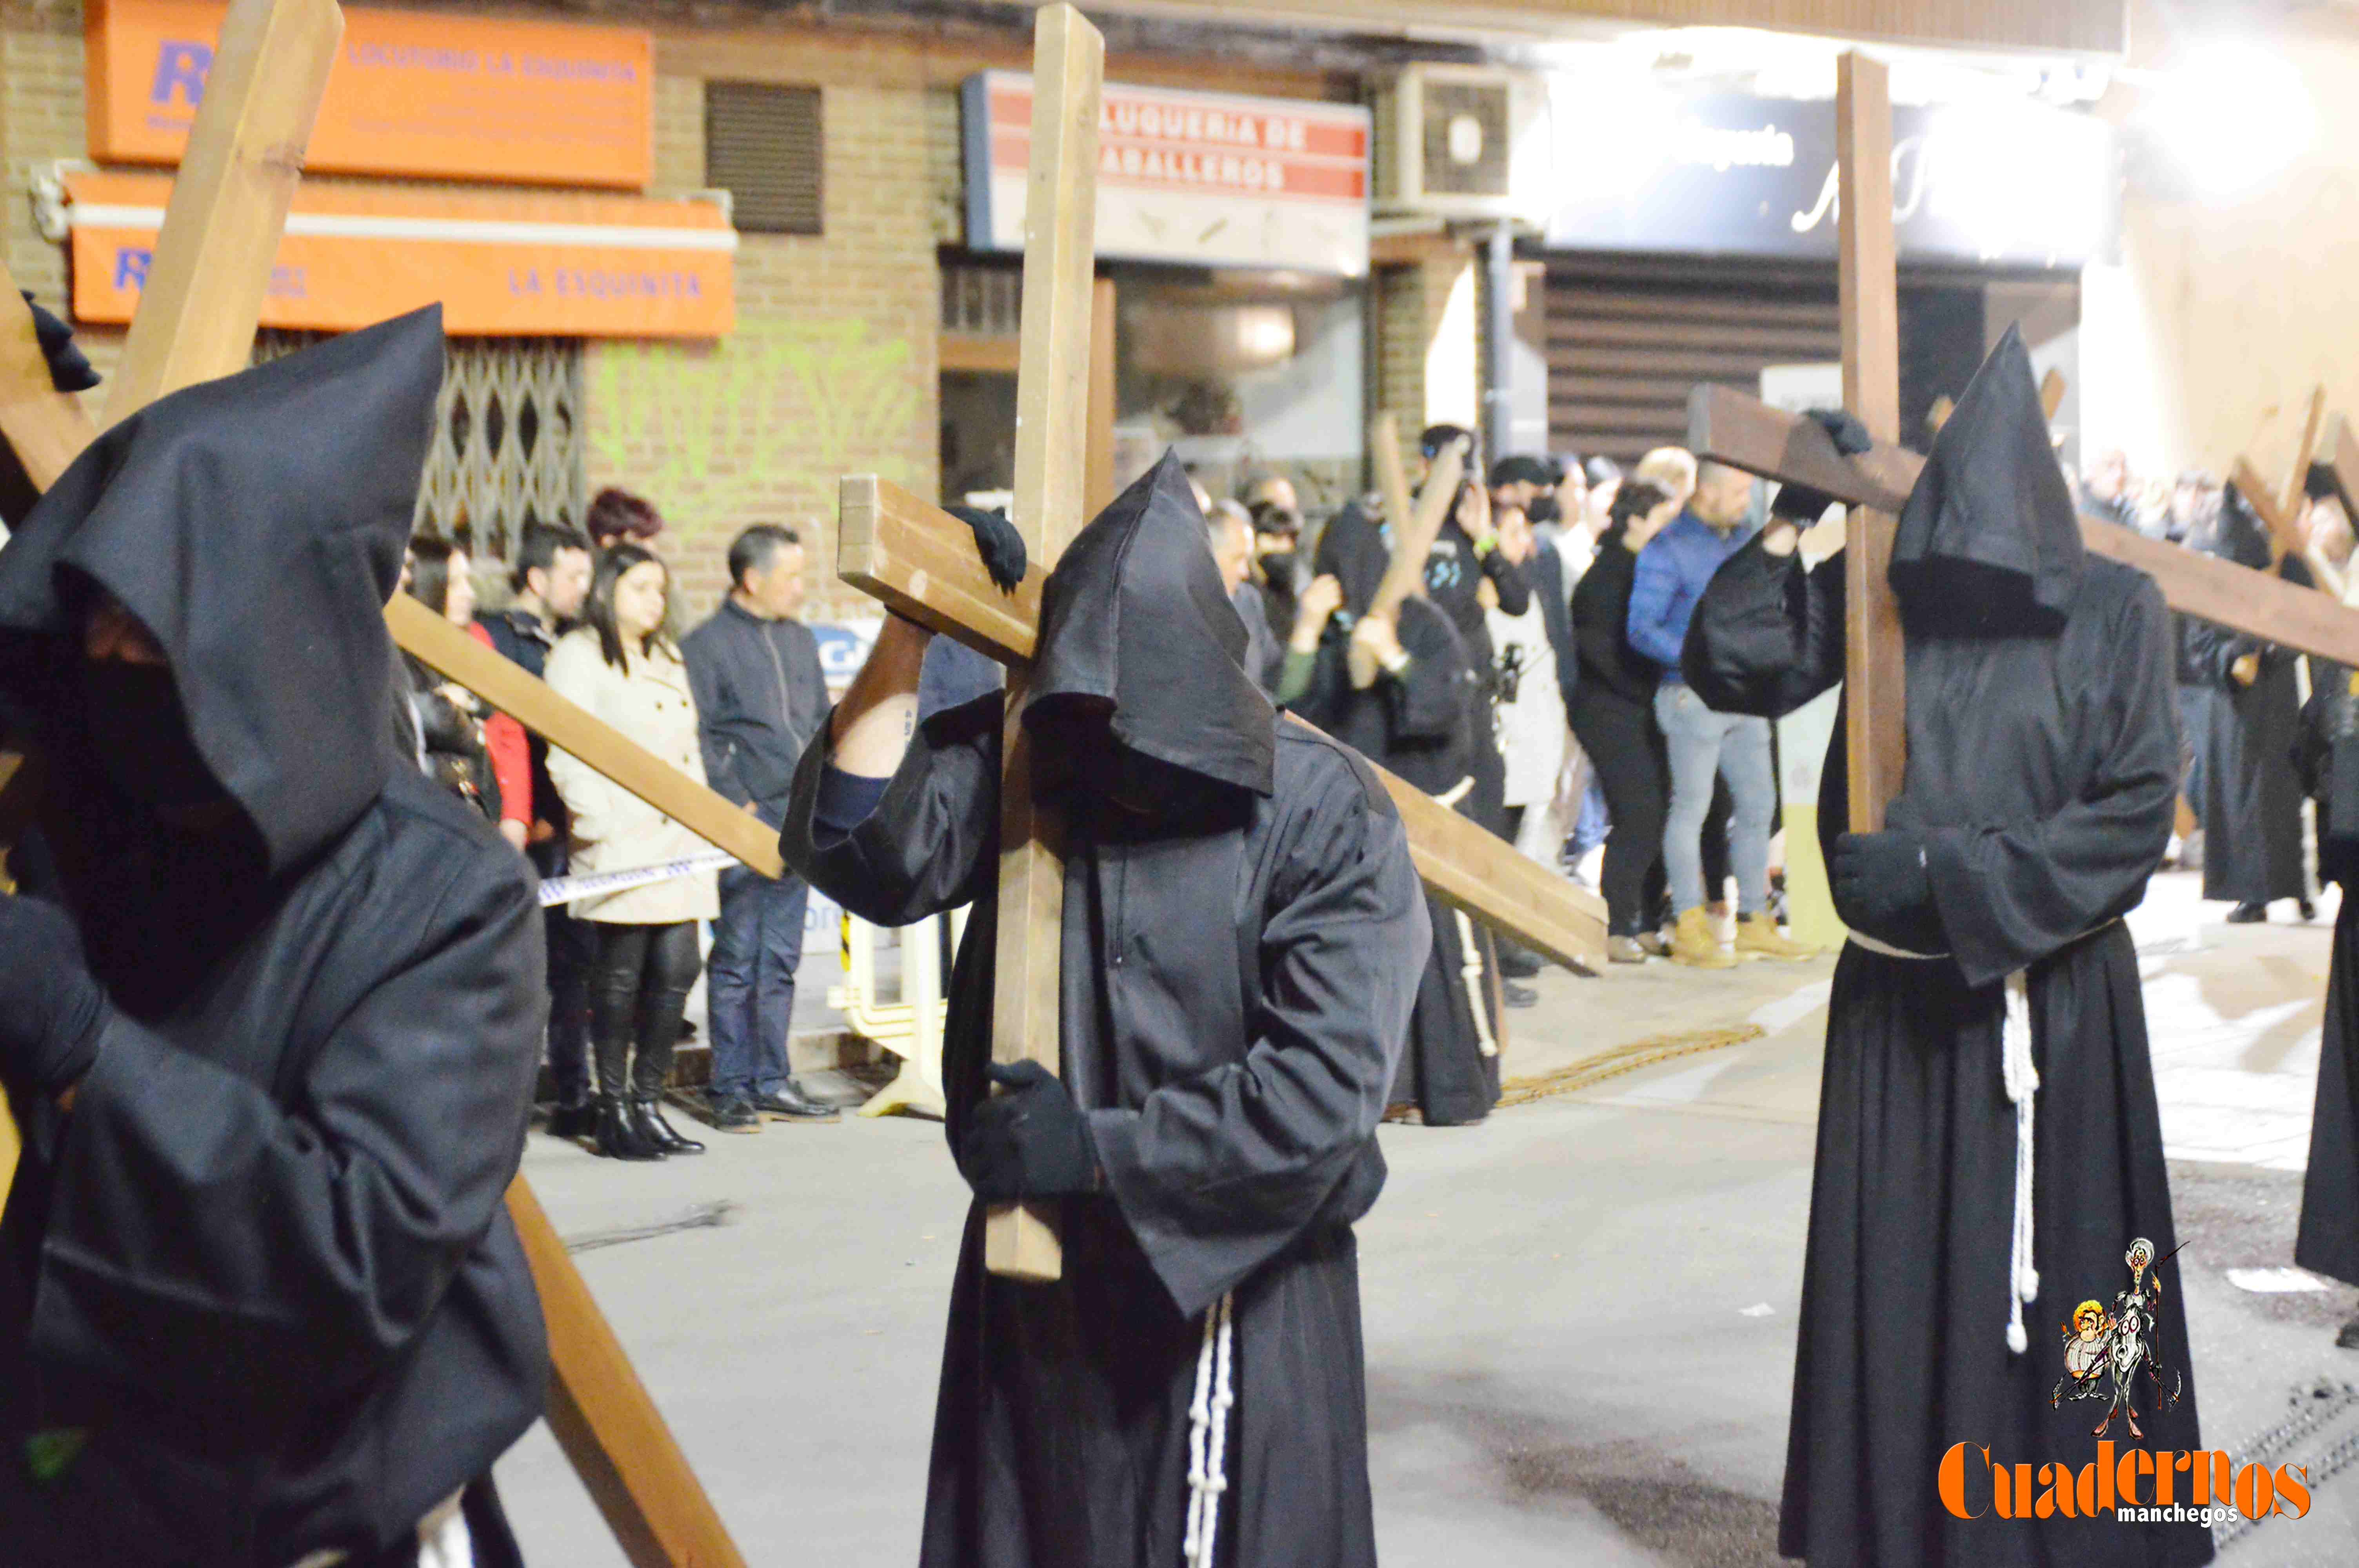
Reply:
x=1883, y=889
x=69, y=370
x=1031, y=1141
x=998, y=543
x=51, y=1010
x=1850, y=437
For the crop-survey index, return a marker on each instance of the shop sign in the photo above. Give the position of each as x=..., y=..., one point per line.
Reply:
x=546, y=264
x=437, y=95
x=1205, y=179
x=2005, y=184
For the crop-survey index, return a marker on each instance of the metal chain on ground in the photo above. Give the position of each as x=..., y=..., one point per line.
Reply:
x=2320, y=1404
x=1593, y=1070
x=705, y=1216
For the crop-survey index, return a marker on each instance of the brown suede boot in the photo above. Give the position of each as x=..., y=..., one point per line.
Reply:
x=1695, y=945
x=1759, y=933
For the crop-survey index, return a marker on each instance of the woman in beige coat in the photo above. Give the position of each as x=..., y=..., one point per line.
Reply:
x=621, y=667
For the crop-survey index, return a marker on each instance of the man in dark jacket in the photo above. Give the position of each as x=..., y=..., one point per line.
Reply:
x=551, y=581
x=760, y=697
x=273, y=1052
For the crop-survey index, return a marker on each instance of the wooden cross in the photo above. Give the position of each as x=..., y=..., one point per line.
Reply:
x=1728, y=427
x=1414, y=532
x=197, y=321
x=1875, y=661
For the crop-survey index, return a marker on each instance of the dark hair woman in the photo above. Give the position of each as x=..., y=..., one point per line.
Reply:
x=1614, y=720
x=616, y=516
x=621, y=666
x=482, y=760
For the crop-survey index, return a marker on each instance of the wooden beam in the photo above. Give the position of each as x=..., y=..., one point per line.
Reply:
x=2285, y=536
x=603, y=1416
x=1875, y=697
x=444, y=648
x=1098, y=490
x=2298, y=482
x=890, y=545
x=1729, y=427
x=1469, y=869
x=919, y=560
x=1413, y=537
x=44, y=427
x=1052, y=403
x=972, y=352
x=214, y=257
x=2346, y=459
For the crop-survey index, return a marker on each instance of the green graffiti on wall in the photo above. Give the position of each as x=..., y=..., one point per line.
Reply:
x=714, y=434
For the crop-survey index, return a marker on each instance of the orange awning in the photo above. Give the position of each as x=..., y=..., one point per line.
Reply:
x=546, y=264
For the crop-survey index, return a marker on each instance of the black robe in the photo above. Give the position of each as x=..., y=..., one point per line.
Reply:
x=2251, y=805
x=1426, y=724
x=2329, y=1239
x=264, y=1268
x=1236, y=984
x=2040, y=781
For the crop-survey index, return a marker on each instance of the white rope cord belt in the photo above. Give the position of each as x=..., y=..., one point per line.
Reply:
x=1208, y=1432
x=2021, y=1075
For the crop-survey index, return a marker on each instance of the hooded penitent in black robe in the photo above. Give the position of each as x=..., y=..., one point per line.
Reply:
x=2329, y=1239
x=263, y=1268
x=1425, y=724
x=2251, y=805
x=1237, y=973
x=2042, y=769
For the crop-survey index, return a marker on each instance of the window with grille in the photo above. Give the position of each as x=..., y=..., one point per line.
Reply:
x=765, y=144
x=508, y=447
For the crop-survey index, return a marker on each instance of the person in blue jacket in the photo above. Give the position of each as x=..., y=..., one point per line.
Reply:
x=1672, y=573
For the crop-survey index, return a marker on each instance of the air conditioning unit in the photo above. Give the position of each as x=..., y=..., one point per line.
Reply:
x=1462, y=141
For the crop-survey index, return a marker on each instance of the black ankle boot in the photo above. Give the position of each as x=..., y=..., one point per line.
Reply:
x=574, y=1120
x=618, y=1136
x=649, y=1123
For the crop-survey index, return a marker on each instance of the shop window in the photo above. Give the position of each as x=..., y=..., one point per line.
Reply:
x=765, y=146
x=508, y=444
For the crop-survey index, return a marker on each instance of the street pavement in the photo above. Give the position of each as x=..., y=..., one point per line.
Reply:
x=1579, y=1315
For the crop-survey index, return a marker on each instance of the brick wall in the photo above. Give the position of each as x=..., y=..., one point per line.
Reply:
x=831, y=369
x=41, y=123
x=1427, y=337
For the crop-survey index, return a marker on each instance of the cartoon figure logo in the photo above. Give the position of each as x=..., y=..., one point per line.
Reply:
x=2104, y=1351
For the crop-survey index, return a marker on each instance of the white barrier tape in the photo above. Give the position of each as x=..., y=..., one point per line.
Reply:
x=570, y=890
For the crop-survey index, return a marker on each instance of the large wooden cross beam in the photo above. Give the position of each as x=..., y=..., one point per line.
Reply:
x=197, y=323
x=920, y=561
x=1730, y=427
x=1875, y=661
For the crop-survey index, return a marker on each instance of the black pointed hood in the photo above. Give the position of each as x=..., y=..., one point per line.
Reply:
x=1135, y=616
x=1992, y=499
x=254, y=524
x=1353, y=551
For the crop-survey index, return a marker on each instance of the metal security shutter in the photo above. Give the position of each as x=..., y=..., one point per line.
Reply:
x=765, y=145
x=508, y=447
x=1627, y=342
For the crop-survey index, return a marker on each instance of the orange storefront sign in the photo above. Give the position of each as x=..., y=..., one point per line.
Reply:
x=545, y=264
x=430, y=94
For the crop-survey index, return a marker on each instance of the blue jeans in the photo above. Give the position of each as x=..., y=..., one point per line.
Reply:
x=749, y=984
x=1703, y=743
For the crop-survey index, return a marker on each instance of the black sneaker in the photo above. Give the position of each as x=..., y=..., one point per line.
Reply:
x=732, y=1113
x=1518, y=996
x=2248, y=914
x=788, y=1103
x=2349, y=1338
x=1518, y=963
